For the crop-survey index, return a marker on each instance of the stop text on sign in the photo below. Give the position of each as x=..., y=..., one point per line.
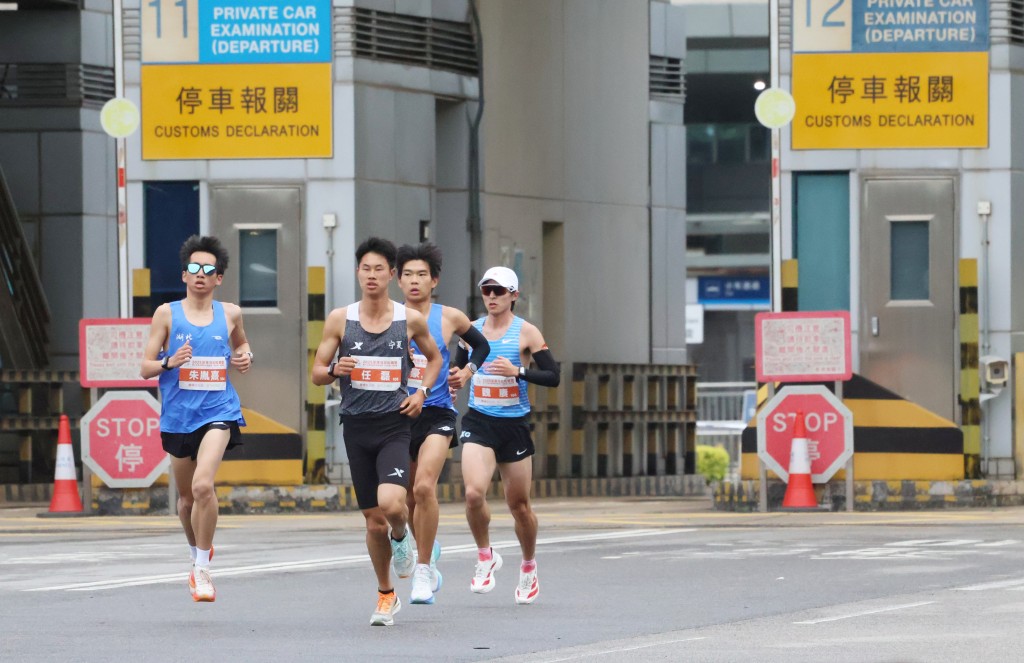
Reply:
x=120, y=426
x=813, y=421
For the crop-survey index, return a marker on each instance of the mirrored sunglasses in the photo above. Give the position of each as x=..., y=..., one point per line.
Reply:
x=496, y=290
x=194, y=267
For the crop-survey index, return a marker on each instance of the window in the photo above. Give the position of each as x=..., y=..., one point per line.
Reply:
x=257, y=249
x=908, y=255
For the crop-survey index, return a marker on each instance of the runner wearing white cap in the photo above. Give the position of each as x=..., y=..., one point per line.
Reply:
x=496, y=428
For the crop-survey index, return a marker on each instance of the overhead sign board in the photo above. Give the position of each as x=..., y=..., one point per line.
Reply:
x=805, y=346
x=234, y=79
x=890, y=73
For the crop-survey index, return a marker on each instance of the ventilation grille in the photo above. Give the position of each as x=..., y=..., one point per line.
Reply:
x=55, y=84
x=1007, y=22
x=666, y=76
x=131, y=27
x=412, y=40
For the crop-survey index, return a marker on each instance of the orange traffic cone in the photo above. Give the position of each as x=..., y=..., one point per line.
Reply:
x=65, y=482
x=799, y=490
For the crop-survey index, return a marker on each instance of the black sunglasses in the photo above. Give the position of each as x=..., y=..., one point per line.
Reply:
x=496, y=290
x=194, y=267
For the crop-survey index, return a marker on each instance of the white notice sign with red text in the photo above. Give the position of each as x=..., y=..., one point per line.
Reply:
x=111, y=351
x=804, y=346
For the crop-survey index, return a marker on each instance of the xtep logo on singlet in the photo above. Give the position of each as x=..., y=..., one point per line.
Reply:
x=357, y=345
x=377, y=373
x=204, y=374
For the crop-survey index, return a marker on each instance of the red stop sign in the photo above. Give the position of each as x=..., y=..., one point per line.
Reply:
x=828, y=424
x=121, y=439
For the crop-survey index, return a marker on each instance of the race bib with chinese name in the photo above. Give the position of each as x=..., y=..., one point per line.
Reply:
x=204, y=374
x=419, y=363
x=495, y=390
x=377, y=373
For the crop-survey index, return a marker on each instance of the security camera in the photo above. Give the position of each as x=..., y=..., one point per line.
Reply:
x=995, y=371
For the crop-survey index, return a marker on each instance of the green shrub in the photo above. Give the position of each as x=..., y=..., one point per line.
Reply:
x=712, y=462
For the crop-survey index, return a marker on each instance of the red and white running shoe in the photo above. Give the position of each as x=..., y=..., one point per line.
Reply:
x=483, y=576
x=205, y=591
x=529, y=587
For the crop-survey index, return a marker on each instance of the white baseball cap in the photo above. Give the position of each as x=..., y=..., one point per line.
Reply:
x=503, y=276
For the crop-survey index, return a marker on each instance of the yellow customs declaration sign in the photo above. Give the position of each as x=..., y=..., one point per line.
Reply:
x=236, y=79
x=890, y=74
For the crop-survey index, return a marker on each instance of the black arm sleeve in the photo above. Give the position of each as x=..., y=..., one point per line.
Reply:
x=546, y=374
x=481, y=348
x=461, y=356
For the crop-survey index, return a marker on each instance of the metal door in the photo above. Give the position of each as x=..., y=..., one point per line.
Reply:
x=261, y=226
x=908, y=290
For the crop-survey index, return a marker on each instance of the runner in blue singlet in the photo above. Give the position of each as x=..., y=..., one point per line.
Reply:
x=192, y=343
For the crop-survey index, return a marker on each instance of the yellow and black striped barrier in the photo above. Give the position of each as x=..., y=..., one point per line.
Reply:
x=142, y=294
x=970, y=386
x=893, y=438
x=316, y=419
x=790, y=285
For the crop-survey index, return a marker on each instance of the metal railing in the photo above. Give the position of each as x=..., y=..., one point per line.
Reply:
x=723, y=409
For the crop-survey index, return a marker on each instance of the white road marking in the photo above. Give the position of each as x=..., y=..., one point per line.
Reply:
x=603, y=652
x=1015, y=583
x=865, y=612
x=304, y=565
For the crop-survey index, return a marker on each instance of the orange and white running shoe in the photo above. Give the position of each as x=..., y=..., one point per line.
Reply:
x=529, y=587
x=483, y=575
x=205, y=591
x=192, y=576
x=387, y=605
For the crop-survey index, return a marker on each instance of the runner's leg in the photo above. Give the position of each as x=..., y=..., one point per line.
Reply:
x=378, y=546
x=204, y=511
x=517, y=478
x=433, y=453
x=184, y=469
x=478, y=463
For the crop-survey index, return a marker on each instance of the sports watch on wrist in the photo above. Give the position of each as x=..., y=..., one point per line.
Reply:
x=164, y=365
x=252, y=358
x=330, y=370
x=425, y=389
x=522, y=371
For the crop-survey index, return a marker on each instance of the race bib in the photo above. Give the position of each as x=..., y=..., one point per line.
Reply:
x=204, y=374
x=419, y=363
x=495, y=390
x=377, y=373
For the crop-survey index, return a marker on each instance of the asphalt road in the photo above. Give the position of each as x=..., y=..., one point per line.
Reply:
x=621, y=580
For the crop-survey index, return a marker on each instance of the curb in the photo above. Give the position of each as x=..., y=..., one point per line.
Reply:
x=905, y=495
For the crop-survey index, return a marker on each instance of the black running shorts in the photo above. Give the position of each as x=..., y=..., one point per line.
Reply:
x=433, y=421
x=186, y=445
x=509, y=437
x=378, y=452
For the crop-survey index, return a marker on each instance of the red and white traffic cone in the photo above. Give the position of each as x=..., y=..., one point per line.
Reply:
x=799, y=490
x=65, y=481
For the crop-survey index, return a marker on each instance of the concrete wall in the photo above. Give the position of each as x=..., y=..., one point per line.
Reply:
x=566, y=140
x=60, y=167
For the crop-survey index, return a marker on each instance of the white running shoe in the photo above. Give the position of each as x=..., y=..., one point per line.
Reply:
x=529, y=587
x=205, y=592
x=421, y=585
x=402, y=557
x=483, y=576
x=387, y=606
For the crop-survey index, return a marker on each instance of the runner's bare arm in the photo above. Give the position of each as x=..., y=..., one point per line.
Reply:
x=240, y=349
x=419, y=331
x=158, y=331
x=334, y=330
x=466, y=365
x=532, y=345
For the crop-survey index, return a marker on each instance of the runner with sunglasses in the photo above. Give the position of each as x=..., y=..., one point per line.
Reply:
x=191, y=344
x=496, y=428
x=433, y=432
x=370, y=339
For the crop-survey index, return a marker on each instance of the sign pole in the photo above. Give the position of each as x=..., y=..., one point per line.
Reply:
x=849, y=463
x=776, y=225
